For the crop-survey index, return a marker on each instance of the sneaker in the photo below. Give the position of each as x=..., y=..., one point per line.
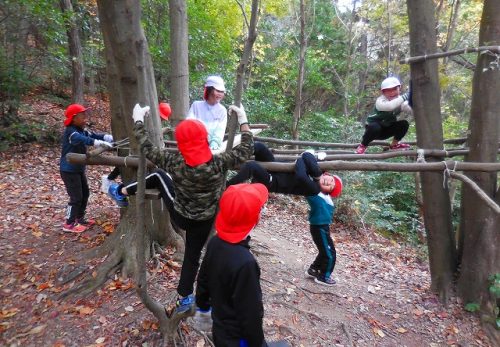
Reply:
x=185, y=304
x=74, y=228
x=85, y=222
x=312, y=273
x=105, y=183
x=325, y=281
x=361, y=149
x=399, y=147
x=114, y=193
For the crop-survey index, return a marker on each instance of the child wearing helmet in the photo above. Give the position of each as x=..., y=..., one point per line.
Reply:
x=383, y=122
x=75, y=139
x=191, y=189
x=228, y=288
x=211, y=112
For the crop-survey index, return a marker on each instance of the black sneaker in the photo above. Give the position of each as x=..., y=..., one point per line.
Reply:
x=326, y=281
x=312, y=273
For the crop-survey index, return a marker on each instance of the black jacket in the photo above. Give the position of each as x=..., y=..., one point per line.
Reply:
x=229, y=282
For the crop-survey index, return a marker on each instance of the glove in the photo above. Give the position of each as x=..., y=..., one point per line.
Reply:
x=139, y=112
x=203, y=320
x=321, y=155
x=240, y=112
x=214, y=145
x=108, y=138
x=100, y=143
x=405, y=107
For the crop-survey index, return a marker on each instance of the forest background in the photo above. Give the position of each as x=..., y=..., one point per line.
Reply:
x=350, y=50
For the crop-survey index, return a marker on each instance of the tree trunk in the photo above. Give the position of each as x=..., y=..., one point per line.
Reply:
x=179, y=74
x=426, y=101
x=480, y=256
x=300, y=78
x=451, y=28
x=75, y=53
x=243, y=68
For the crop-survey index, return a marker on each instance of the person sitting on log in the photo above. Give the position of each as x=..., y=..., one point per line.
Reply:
x=192, y=187
x=383, y=122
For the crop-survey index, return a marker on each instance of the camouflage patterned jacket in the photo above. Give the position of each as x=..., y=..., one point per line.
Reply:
x=197, y=189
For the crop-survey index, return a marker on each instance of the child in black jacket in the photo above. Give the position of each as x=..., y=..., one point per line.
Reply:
x=229, y=278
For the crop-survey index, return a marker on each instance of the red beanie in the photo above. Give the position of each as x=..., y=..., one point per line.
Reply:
x=192, y=141
x=239, y=210
x=165, y=110
x=71, y=111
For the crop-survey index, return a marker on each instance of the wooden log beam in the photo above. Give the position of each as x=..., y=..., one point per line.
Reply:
x=420, y=58
x=382, y=166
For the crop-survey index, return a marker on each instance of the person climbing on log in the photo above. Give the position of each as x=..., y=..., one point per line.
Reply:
x=107, y=180
x=383, y=122
x=192, y=187
x=75, y=139
x=211, y=112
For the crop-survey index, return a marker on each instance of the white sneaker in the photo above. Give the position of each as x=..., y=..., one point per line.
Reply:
x=105, y=183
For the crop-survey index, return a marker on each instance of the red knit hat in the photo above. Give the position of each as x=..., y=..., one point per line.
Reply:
x=71, y=111
x=165, y=110
x=239, y=210
x=192, y=141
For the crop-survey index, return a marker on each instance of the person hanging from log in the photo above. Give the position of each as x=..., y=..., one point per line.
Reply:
x=318, y=187
x=75, y=139
x=383, y=122
x=211, y=112
x=107, y=180
x=192, y=187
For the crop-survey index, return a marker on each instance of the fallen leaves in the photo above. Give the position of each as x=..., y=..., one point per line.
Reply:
x=7, y=313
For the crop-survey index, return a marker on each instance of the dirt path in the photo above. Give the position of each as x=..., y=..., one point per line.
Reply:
x=382, y=297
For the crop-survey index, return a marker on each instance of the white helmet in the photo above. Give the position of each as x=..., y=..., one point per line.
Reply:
x=215, y=81
x=390, y=82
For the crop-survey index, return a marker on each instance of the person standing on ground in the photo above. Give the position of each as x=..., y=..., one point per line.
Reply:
x=75, y=139
x=211, y=112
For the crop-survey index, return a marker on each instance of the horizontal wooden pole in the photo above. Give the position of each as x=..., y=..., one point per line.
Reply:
x=420, y=58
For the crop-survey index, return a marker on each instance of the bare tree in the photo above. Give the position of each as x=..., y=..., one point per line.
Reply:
x=131, y=80
x=75, y=52
x=179, y=55
x=479, y=231
x=426, y=101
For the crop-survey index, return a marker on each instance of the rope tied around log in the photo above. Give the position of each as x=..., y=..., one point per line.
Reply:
x=128, y=156
x=447, y=173
x=420, y=155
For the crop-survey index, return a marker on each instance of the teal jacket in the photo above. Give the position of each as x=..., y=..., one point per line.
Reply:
x=322, y=209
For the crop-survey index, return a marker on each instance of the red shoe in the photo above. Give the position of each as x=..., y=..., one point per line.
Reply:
x=85, y=222
x=74, y=228
x=399, y=147
x=361, y=149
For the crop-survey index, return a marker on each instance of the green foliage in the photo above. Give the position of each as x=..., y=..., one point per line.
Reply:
x=495, y=285
x=472, y=307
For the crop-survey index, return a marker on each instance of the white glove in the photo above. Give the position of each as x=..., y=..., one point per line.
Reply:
x=108, y=138
x=240, y=112
x=100, y=143
x=139, y=113
x=321, y=155
x=405, y=107
x=203, y=320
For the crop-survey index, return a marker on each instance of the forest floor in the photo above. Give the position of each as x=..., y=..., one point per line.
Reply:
x=382, y=296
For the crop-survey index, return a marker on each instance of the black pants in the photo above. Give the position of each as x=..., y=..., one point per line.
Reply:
x=114, y=174
x=327, y=255
x=196, y=231
x=375, y=131
x=77, y=188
